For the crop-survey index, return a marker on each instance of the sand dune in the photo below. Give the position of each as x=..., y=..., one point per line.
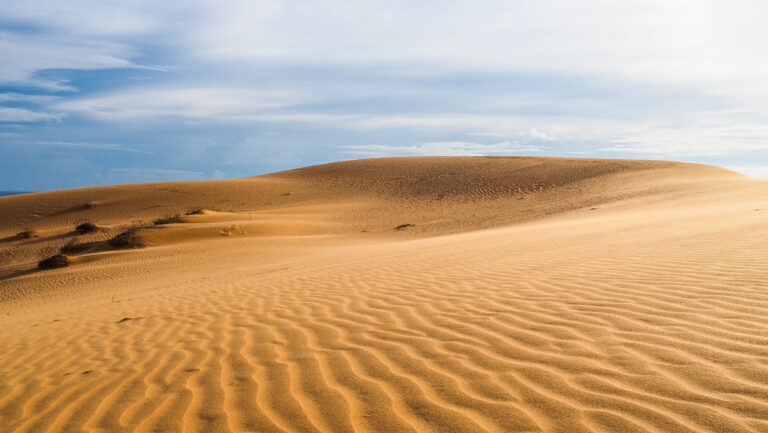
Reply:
x=518, y=295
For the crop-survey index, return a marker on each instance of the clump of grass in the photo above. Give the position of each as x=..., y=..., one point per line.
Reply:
x=197, y=212
x=73, y=247
x=168, y=220
x=54, y=262
x=86, y=228
x=28, y=234
x=127, y=239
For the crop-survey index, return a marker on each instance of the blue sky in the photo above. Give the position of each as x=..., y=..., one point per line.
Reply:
x=103, y=92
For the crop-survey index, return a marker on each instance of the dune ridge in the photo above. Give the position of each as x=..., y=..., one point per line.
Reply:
x=614, y=296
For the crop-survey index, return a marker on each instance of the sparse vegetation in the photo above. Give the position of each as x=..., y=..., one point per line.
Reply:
x=54, y=262
x=169, y=220
x=86, y=228
x=28, y=234
x=127, y=239
x=196, y=212
x=403, y=226
x=73, y=247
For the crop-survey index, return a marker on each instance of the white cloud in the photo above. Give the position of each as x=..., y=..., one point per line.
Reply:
x=700, y=140
x=95, y=146
x=691, y=42
x=196, y=103
x=294, y=106
x=21, y=97
x=713, y=49
x=440, y=148
x=705, y=43
x=9, y=114
x=120, y=175
x=531, y=134
x=756, y=171
x=540, y=135
x=25, y=55
x=486, y=134
x=709, y=133
x=89, y=17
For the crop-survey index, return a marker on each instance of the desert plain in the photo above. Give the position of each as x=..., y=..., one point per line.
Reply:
x=428, y=294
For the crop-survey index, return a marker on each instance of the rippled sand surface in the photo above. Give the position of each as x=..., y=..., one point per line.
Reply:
x=394, y=295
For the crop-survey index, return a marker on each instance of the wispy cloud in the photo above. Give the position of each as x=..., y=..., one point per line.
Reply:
x=92, y=146
x=195, y=103
x=533, y=133
x=89, y=18
x=756, y=171
x=540, y=135
x=22, y=97
x=117, y=175
x=699, y=140
x=440, y=148
x=10, y=114
x=28, y=54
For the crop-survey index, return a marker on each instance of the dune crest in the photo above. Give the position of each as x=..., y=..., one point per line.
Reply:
x=505, y=294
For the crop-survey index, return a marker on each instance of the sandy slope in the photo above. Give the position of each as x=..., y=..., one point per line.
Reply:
x=528, y=294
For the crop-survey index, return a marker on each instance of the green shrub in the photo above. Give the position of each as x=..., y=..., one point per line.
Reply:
x=73, y=247
x=54, y=262
x=168, y=220
x=28, y=234
x=86, y=228
x=127, y=239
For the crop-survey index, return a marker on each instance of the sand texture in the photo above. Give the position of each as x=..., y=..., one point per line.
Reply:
x=505, y=294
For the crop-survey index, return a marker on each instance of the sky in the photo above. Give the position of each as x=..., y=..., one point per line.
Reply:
x=96, y=92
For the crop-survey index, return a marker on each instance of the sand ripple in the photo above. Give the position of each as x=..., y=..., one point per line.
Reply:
x=647, y=319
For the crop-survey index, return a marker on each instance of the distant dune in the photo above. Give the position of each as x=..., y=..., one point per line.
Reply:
x=440, y=294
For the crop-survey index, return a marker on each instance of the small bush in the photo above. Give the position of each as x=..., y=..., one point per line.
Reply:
x=86, y=228
x=54, y=262
x=168, y=220
x=196, y=212
x=28, y=234
x=73, y=247
x=127, y=239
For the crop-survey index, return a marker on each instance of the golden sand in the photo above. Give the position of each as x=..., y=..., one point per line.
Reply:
x=516, y=295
